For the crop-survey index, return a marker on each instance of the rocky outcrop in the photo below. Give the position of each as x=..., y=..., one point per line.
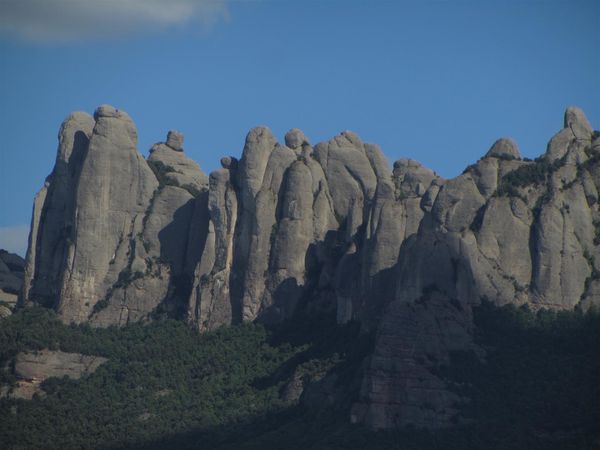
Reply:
x=159, y=262
x=116, y=238
x=110, y=230
x=288, y=223
x=12, y=268
x=505, y=231
x=31, y=368
x=50, y=363
x=211, y=302
x=265, y=212
x=401, y=386
x=54, y=211
x=115, y=189
x=285, y=223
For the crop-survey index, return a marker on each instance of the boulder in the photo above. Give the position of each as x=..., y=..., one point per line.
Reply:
x=504, y=148
x=175, y=140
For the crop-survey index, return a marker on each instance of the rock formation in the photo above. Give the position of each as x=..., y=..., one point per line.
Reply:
x=32, y=368
x=110, y=230
x=505, y=231
x=116, y=238
x=12, y=268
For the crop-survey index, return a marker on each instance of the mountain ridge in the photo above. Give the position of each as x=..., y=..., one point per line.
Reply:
x=117, y=238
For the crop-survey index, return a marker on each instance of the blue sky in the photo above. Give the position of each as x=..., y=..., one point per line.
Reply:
x=437, y=81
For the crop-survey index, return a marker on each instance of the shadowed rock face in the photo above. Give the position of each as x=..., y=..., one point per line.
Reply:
x=12, y=268
x=116, y=238
x=52, y=222
x=507, y=231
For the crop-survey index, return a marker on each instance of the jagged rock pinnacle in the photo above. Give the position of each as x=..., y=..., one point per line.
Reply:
x=175, y=140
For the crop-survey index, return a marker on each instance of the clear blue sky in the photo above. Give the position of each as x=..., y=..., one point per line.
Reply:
x=437, y=81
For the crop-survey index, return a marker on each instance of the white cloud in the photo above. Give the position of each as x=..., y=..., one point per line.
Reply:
x=73, y=20
x=14, y=238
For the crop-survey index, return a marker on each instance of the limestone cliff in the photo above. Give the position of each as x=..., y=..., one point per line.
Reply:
x=331, y=227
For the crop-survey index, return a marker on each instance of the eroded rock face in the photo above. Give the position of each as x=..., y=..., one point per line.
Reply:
x=276, y=236
x=110, y=231
x=53, y=216
x=173, y=168
x=114, y=191
x=44, y=364
x=31, y=368
x=400, y=386
x=12, y=268
x=505, y=231
x=210, y=303
x=331, y=228
x=504, y=148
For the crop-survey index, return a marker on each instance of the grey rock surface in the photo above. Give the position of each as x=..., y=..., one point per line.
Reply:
x=12, y=268
x=44, y=364
x=110, y=231
x=54, y=211
x=175, y=140
x=115, y=189
x=172, y=167
x=351, y=179
x=578, y=123
x=330, y=228
x=504, y=148
x=400, y=386
x=295, y=138
x=211, y=304
x=495, y=233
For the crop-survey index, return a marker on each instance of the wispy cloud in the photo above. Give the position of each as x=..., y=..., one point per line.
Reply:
x=14, y=238
x=73, y=20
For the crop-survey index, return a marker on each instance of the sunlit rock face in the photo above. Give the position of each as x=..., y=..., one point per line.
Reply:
x=110, y=230
x=332, y=227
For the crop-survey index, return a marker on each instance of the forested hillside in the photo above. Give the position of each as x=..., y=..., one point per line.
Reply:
x=167, y=386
